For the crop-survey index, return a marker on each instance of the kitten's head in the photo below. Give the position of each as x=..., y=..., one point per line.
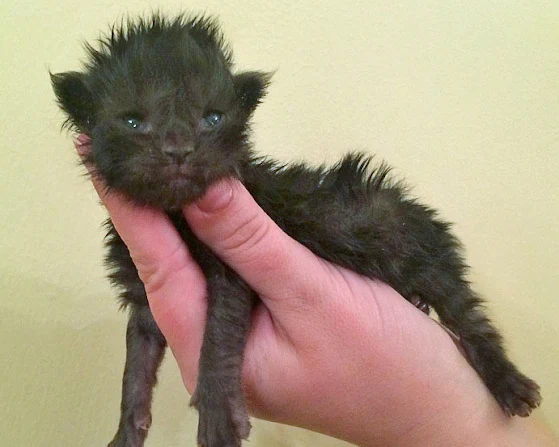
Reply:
x=165, y=114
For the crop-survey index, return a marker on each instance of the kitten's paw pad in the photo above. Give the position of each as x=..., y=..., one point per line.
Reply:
x=518, y=395
x=223, y=421
x=142, y=421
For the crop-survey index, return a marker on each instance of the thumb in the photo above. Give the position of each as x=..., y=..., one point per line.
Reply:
x=240, y=233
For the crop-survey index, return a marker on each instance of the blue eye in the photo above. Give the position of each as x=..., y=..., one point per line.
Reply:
x=212, y=119
x=133, y=122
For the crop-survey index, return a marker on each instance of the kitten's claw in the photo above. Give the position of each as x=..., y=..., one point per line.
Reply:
x=420, y=304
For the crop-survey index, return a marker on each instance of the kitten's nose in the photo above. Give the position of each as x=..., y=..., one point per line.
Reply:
x=178, y=153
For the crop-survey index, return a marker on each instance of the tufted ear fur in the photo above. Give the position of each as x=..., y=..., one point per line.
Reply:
x=251, y=88
x=74, y=98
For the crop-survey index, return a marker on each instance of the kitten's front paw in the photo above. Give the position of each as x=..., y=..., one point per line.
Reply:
x=517, y=394
x=134, y=432
x=223, y=419
x=127, y=438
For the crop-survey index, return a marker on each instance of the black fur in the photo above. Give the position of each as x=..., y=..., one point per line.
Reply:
x=142, y=99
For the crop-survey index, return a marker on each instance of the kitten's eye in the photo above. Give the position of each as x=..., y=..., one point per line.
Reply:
x=212, y=119
x=134, y=122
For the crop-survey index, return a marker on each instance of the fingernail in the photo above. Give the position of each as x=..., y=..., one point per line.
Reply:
x=82, y=143
x=83, y=139
x=217, y=197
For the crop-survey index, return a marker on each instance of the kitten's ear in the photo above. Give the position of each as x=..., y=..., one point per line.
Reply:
x=74, y=98
x=251, y=88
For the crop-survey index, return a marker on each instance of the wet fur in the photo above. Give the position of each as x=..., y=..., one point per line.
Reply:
x=170, y=73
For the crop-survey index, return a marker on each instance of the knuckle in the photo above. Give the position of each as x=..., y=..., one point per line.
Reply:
x=249, y=239
x=155, y=273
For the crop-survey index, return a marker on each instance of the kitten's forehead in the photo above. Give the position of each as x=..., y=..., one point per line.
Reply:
x=187, y=56
x=171, y=54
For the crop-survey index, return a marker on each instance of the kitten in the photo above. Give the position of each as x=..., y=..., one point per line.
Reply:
x=167, y=118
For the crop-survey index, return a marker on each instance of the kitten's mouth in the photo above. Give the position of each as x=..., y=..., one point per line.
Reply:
x=174, y=185
x=178, y=172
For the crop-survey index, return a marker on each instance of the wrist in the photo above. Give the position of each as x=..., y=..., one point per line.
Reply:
x=460, y=410
x=467, y=416
x=443, y=404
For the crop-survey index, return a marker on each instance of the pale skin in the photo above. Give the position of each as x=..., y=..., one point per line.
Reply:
x=329, y=350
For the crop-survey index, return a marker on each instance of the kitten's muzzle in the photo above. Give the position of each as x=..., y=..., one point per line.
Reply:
x=177, y=154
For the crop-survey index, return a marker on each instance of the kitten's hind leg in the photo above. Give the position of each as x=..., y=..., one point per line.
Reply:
x=461, y=312
x=145, y=346
x=223, y=416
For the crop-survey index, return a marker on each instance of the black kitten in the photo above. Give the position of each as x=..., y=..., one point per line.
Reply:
x=167, y=117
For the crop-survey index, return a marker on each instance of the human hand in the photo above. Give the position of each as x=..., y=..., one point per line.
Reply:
x=328, y=350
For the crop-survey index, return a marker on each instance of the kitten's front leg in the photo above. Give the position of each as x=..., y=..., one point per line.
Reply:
x=223, y=416
x=145, y=346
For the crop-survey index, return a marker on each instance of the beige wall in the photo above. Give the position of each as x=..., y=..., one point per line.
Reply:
x=461, y=97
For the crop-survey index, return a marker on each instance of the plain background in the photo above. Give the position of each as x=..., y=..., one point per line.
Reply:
x=461, y=97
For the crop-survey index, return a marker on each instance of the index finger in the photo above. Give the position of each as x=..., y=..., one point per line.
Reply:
x=174, y=284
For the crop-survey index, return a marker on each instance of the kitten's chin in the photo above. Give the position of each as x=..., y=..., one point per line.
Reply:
x=171, y=187
x=178, y=193
x=174, y=192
